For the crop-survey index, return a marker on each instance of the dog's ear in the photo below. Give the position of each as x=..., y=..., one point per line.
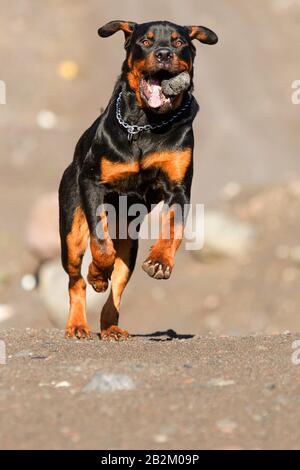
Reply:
x=113, y=26
x=202, y=34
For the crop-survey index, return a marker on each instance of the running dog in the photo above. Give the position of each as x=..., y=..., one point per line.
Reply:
x=140, y=147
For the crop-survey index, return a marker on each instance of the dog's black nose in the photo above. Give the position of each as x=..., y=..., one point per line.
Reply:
x=164, y=54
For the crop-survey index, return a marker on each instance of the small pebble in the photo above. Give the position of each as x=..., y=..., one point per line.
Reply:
x=28, y=282
x=63, y=384
x=270, y=386
x=46, y=119
x=227, y=426
x=6, y=312
x=231, y=190
x=160, y=438
x=74, y=436
x=102, y=382
x=220, y=382
x=257, y=418
x=24, y=353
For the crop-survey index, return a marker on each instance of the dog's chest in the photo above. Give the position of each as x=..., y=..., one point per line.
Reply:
x=169, y=165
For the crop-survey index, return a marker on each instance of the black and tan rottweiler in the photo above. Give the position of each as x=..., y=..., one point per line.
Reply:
x=140, y=147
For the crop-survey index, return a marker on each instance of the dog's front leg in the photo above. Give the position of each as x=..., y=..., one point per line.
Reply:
x=161, y=259
x=102, y=248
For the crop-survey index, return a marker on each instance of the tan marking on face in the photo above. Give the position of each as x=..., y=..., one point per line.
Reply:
x=130, y=60
x=174, y=35
x=111, y=171
x=134, y=77
x=150, y=35
x=174, y=163
x=183, y=65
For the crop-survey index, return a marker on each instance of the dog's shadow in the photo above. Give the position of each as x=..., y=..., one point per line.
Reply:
x=168, y=335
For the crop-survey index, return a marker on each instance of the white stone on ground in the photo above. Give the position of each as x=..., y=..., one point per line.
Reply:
x=102, y=382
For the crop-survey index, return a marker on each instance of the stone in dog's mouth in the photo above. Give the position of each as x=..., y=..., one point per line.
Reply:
x=152, y=93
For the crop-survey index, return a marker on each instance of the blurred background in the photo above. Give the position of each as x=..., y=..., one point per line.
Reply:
x=59, y=74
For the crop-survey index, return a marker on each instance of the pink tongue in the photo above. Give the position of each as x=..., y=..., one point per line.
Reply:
x=155, y=100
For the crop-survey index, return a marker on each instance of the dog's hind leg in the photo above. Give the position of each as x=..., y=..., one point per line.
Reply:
x=74, y=235
x=126, y=252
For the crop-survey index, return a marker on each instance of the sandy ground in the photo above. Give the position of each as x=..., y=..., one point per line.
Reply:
x=247, y=132
x=190, y=393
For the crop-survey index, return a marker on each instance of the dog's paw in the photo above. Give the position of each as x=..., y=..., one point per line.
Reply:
x=99, y=280
x=78, y=331
x=114, y=333
x=157, y=269
x=99, y=284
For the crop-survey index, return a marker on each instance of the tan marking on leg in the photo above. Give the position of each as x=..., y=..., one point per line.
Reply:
x=174, y=163
x=76, y=245
x=120, y=276
x=160, y=261
x=77, y=241
x=77, y=322
x=103, y=254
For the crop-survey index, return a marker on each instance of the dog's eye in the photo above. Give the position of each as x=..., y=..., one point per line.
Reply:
x=146, y=43
x=178, y=43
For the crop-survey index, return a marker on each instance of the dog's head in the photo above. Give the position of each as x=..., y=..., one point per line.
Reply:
x=156, y=52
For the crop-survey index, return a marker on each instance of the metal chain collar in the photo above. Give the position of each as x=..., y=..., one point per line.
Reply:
x=133, y=129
